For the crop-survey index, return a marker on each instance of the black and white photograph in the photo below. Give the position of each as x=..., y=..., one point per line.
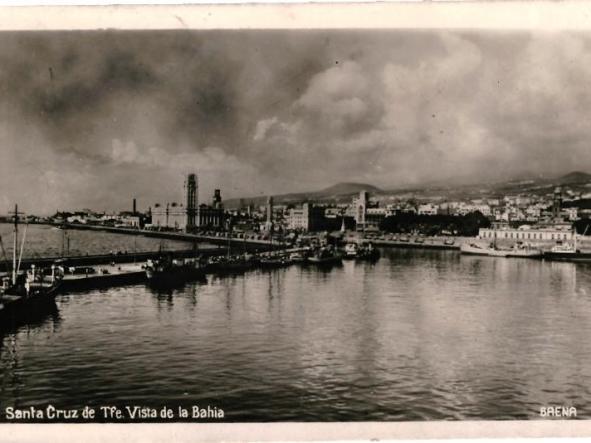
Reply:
x=295, y=225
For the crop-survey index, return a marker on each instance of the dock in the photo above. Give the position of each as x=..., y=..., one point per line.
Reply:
x=438, y=243
x=103, y=276
x=101, y=259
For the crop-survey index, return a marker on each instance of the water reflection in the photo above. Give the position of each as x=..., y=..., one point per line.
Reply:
x=417, y=335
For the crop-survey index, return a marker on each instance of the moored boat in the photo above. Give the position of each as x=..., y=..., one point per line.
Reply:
x=298, y=257
x=325, y=256
x=21, y=293
x=568, y=251
x=167, y=270
x=274, y=261
x=368, y=253
x=524, y=250
x=351, y=251
x=472, y=248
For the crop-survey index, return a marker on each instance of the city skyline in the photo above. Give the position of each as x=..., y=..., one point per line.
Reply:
x=92, y=118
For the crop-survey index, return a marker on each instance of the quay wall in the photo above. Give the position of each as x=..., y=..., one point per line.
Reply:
x=89, y=260
x=249, y=245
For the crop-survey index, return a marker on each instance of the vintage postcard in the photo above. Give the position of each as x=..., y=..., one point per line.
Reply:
x=295, y=222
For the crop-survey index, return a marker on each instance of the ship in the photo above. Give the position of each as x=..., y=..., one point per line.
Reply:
x=77, y=278
x=524, y=250
x=22, y=293
x=230, y=264
x=167, y=270
x=568, y=251
x=477, y=249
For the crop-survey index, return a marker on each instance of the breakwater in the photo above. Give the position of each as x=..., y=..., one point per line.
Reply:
x=100, y=259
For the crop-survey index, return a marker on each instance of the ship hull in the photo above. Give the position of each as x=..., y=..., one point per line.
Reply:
x=525, y=254
x=16, y=308
x=95, y=281
x=172, y=277
x=329, y=261
x=568, y=256
x=475, y=250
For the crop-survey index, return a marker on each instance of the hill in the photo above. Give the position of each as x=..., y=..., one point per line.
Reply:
x=339, y=192
x=347, y=188
x=574, y=178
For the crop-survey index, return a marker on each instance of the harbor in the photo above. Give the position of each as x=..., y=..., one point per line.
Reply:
x=303, y=333
x=307, y=226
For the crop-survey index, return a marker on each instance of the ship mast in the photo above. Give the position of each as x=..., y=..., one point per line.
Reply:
x=15, y=244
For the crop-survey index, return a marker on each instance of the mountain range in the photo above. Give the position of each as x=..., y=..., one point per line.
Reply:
x=344, y=192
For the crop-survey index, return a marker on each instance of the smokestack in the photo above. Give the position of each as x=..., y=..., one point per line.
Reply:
x=134, y=207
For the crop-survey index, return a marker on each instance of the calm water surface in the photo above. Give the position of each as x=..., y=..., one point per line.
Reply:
x=50, y=241
x=420, y=335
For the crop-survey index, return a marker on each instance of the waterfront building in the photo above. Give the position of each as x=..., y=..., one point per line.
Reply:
x=217, y=199
x=374, y=217
x=360, y=205
x=191, y=193
x=171, y=216
x=307, y=218
x=528, y=233
x=129, y=220
x=210, y=217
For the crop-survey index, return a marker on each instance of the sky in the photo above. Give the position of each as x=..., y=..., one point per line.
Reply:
x=94, y=119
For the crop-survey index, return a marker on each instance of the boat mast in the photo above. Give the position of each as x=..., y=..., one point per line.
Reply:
x=15, y=243
x=228, y=238
x=575, y=237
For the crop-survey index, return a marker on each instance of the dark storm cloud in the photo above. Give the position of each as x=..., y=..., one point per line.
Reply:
x=94, y=118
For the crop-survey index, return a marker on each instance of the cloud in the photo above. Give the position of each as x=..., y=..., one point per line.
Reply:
x=263, y=127
x=99, y=117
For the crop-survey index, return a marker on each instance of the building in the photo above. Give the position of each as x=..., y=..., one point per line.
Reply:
x=306, y=218
x=374, y=217
x=427, y=209
x=191, y=193
x=360, y=205
x=217, y=199
x=527, y=233
x=556, y=202
x=171, y=216
x=269, y=214
x=210, y=217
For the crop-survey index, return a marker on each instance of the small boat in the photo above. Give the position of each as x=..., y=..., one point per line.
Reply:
x=368, y=253
x=274, y=261
x=325, y=256
x=351, y=251
x=449, y=242
x=298, y=257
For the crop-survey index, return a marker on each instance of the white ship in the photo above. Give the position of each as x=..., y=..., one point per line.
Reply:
x=525, y=250
x=477, y=249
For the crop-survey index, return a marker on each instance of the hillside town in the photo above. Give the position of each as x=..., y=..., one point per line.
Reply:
x=559, y=208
